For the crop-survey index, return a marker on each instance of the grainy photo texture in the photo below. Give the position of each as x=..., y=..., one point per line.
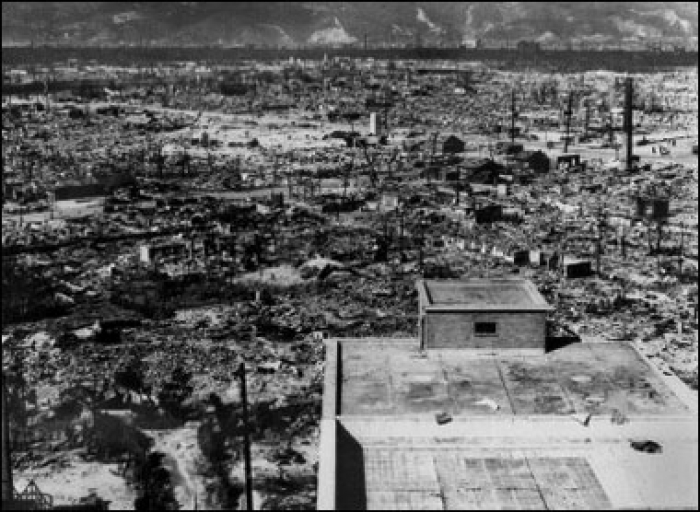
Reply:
x=349, y=256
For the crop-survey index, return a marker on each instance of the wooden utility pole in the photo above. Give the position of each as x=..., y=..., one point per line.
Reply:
x=386, y=112
x=568, y=113
x=681, y=250
x=628, y=124
x=623, y=244
x=8, y=488
x=649, y=244
x=246, y=440
x=46, y=96
x=401, y=211
x=659, y=235
x=599, y=238
x=512, y=118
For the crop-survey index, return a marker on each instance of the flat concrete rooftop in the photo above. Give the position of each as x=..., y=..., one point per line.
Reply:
x=448, y=472
x=482, y=293
x=394, y=379
x=525, y=431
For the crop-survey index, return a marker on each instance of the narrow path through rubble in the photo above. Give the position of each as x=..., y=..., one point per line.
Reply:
x=181, y=453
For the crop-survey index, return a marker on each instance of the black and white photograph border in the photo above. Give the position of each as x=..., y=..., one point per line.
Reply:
x=349, y=255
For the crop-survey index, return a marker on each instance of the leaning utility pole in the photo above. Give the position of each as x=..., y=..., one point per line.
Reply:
x=246, y=440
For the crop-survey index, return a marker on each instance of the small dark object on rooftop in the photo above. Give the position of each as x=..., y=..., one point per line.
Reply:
x=647, y=446
x=618, y=418
x=443, y=418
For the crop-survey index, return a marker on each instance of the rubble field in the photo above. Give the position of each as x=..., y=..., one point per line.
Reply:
x=158, y=236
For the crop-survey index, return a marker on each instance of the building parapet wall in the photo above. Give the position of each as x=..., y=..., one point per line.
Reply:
x=327, y=463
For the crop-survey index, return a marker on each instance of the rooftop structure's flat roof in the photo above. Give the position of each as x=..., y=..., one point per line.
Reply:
x=480, y=294
x=524, y=431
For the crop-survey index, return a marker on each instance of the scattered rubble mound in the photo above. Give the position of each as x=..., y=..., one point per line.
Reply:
x=284, y=275
x=77, y=478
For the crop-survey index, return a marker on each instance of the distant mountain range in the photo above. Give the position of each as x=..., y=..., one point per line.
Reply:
x=331, y=23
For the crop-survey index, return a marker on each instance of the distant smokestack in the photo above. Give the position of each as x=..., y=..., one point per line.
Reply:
x=628, y=122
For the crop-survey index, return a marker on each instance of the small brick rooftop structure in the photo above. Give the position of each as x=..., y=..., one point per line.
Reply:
x=587, y=426
x=482, y=313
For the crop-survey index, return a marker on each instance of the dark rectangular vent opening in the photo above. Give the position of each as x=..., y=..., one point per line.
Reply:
x=485, y=329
